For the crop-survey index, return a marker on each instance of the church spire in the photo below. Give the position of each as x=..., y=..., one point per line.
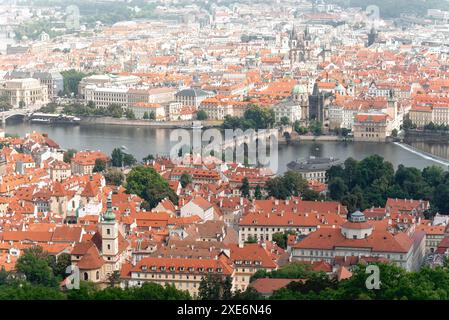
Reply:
x=109, y=216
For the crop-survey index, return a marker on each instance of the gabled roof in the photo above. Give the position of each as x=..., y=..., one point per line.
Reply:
x=88, y=190
x=91, y=260
x=269, y=285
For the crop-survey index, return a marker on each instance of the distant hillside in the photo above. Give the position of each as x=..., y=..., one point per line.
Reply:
x=394, y=8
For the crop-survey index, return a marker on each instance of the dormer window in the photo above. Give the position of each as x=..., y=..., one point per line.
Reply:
x=172, y=269
x=144, y=268
x=191, y=269
x=219, y=270
x=181, y=268
x=163, y=268
x=200, y=269
x=210, y=269
x=153, y=268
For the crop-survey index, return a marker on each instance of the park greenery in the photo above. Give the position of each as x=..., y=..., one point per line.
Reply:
x=92, y=12
x=369, y=182
x=89, y=109
x=254, y=118
x=149, y=185
x=315, y=127
x=431, y=126
x=49, y=108
x=436, y=127
x=71, y=79
x=37, y=277
x=290, y=184
x=33, y=28
x=396, y=284
x=129, y=114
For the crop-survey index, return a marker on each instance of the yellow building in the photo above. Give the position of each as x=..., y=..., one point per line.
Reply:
x=371, y=127
x=185, y=274
x=420, y=115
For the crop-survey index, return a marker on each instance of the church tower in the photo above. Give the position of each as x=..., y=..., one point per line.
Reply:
x=109, y=233
x=300, y=46
x=372, y=37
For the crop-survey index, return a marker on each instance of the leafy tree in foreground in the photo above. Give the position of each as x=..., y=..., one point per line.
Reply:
x=215, y=287
x=34, y=264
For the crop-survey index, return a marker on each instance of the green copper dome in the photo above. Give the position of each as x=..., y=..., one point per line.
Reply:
x=109, y=215
x=299, y=89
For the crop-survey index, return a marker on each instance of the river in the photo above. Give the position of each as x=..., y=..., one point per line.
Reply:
x=141, y=141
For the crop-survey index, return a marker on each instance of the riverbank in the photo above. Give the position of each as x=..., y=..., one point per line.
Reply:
x=143, y=140
x=145, y=123
x=423, y=154
x=427, y=135
x=317, y=138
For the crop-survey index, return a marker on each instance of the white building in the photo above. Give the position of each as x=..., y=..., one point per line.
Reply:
x=25, y=92
x=200, y=207
x=357, y=237
x=289, y=109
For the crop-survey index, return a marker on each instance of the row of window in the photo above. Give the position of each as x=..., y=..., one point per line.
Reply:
x=173, y=269
x=325, y=253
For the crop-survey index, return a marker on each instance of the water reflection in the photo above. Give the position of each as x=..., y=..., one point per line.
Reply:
x=142, y=141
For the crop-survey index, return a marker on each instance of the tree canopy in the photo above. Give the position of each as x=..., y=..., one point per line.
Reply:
x=369, y=182
x=254, y=118
x=149, y=185
x=283, y=187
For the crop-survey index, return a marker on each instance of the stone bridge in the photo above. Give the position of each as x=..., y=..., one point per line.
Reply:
x=250, y=138
x=17, y=112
